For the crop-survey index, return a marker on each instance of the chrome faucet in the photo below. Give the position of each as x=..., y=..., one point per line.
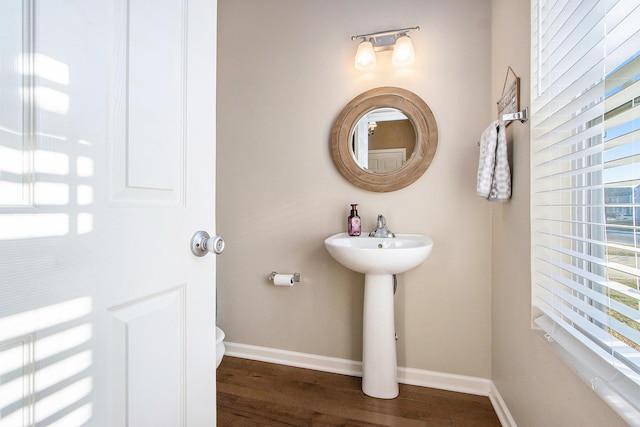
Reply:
x=381, y=229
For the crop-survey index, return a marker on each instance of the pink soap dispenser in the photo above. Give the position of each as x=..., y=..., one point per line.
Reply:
x=353, y=222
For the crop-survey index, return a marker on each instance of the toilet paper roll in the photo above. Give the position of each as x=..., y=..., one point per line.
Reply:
x=283, y=280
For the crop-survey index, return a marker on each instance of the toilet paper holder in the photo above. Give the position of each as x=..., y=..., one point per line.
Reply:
x=296, y=276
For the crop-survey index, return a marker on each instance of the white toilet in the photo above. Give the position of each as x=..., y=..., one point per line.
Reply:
x=219, y=346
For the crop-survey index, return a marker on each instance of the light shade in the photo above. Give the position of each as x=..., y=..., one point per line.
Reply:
x=403, y=53
x=365, y=57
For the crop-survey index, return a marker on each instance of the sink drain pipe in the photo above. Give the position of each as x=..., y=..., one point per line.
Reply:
x=395, y=287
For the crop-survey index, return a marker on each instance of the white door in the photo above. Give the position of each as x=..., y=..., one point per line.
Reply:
x=387, y=160
x=107, y=168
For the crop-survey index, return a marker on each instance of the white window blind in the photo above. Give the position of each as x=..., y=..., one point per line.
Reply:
x=585, y=190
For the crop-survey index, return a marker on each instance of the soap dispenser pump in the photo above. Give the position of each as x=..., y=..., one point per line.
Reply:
x=353, y=222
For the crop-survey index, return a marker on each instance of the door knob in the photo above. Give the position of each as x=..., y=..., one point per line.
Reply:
x=201, y=243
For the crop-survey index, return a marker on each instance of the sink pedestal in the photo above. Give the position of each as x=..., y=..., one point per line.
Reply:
x=379, y=258
x=379, y=371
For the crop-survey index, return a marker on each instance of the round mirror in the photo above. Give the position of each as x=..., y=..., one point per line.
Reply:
x=384, y=139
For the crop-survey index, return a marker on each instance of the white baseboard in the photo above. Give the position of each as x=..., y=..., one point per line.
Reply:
x=506, y=420
x=419, y=377
x=292, y=358
x=444, y=381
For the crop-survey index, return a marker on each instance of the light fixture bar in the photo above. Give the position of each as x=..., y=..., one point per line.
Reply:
x=385, y=33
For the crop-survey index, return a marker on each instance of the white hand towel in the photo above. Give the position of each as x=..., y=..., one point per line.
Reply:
x=494, y=175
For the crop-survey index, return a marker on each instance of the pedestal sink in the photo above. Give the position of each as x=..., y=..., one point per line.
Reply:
x=379, y=259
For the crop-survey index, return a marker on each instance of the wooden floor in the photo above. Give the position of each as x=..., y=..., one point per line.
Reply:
x=254, y=393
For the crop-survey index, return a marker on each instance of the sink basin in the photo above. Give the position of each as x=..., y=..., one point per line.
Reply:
x=375, y=255
x=379, y=259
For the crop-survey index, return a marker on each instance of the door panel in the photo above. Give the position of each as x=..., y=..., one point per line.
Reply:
x=151, y=50
x=148, y=339
x=107, y=156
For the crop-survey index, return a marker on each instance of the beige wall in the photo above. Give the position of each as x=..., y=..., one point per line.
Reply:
x=538, y=388
x=285, y=73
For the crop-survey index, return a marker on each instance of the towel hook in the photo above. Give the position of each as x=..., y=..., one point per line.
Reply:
x=523, y=116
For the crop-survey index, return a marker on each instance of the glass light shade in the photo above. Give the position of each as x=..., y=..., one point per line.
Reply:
x=365, y=57
x=403, y=53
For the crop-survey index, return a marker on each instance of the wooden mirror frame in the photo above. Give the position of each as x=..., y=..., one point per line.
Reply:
x=424, y=124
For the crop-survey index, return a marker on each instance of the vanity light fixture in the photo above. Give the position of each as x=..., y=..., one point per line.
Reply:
x=398, y=40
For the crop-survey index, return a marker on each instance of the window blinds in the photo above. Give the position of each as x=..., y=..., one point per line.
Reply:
x=585, y=187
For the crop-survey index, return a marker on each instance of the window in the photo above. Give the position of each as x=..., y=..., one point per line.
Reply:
x=585, y=190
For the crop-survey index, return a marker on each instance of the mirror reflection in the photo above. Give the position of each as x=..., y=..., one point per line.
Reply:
x=383, y=140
